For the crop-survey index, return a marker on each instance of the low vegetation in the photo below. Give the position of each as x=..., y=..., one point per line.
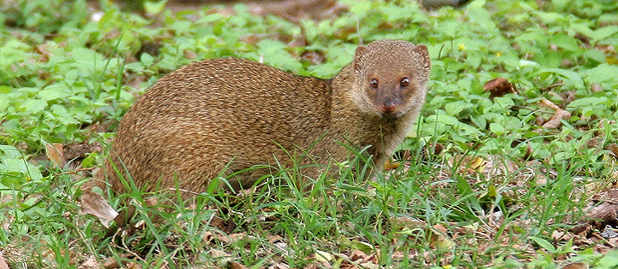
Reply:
x=512, y=163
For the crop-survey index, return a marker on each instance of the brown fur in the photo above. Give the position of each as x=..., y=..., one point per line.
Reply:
x=220, y=116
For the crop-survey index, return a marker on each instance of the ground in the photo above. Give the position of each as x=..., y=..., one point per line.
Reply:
x=512, y=163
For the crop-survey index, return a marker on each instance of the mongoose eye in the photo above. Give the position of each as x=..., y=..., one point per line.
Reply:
x=404, y=82
x=374, y=83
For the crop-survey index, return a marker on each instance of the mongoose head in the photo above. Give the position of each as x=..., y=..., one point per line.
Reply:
x=391, y=76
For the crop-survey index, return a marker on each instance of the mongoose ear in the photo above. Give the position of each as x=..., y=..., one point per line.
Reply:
x=422, y=54
x=360, y=51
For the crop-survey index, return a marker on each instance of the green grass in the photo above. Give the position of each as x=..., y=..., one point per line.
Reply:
x=496, y=194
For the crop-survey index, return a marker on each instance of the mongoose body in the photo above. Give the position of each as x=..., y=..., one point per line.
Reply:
x=221, y=116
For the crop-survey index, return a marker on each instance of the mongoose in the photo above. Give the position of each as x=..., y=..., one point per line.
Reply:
x=220, y=116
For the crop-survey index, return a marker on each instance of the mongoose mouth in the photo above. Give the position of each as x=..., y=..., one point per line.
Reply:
x=389, y=111
x=387, y=108
x=391, y=114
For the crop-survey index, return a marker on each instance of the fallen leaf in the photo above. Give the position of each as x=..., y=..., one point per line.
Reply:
x=478, y=164
x=6, y=223
x=3, y=264
x=596, y=87
x=54, y=152
x=548, y=104
x=439, y=238
x=322, y=256
x=568, y=97
x=216, y=253
x=279, y=266
x=554, y=121
x=87, y=264
x=576, y=265
x=598, y=218
x=370, y=265
x=113, y=262
x=123, y=218
x=45, y=54
x=80, y=150
x=613, y=150
x=499, y=87
x=190, y=54
x=274, y=238
x=391, y=165
x=609, y=232
x=236, y=265
x=314, y=57
x=94, y=204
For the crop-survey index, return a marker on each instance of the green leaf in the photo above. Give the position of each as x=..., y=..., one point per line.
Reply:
x=360, y=8
x=496, y=128
x=602, y=73
x=146, y=59
x=88, y=60
x=565, y=42
x=543, y=243
x=595, y=55
x=610, y=260
x=71, y=76
x=605, y=32
x=10, y=152
x=34, y=106
x=23, y=167
x=571, y=76
x=453, y=108
x=55, y=91
x=154, y=7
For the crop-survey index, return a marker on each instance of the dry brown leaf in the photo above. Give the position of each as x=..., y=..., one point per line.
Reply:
x=369, y=265
x=440, y=239
x=568, y=96
x=391, y=165
x=6, y=223
x=112, y=262
x=614, y=150
x=314, y=57
x=236, y=265
x=274, y=238
x=498, y=87
x=408, y=222
x=94, y=204
x=90, y=263
x=596, y=88
x=548, y=104
x=54, y=152
x=133, y=265
x=323, y=256
x=45, y=54
x=80, y=150
x=554, y=121
x=190, y=54
x=3, y=264
x=279, y=266
x=216, y=253
x=227, y=226
x=576, y=265
x=598, y=217
x=357, y=255
x=604, y=214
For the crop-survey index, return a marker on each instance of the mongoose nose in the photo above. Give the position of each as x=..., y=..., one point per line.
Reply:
x=387, y=108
